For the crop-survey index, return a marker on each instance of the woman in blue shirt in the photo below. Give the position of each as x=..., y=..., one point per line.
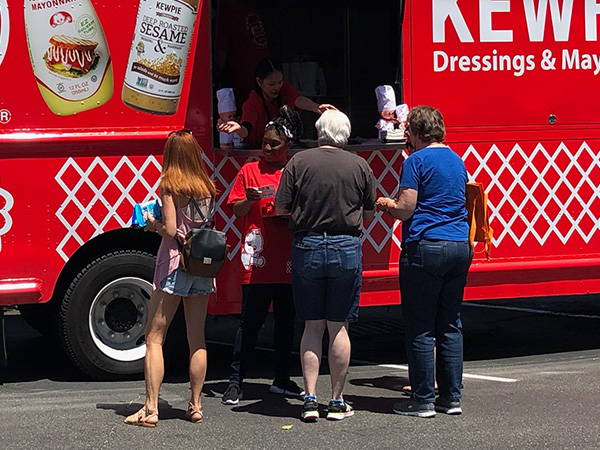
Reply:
x=434, y=262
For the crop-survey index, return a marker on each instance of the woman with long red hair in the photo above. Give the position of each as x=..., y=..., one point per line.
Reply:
x=185, y=188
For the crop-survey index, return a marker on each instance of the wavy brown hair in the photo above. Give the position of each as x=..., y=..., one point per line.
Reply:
x=183, y=171
x=427, y=123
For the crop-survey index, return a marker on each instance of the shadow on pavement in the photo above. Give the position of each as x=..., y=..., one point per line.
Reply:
x=167, y=412
x=385, y=382
x=492, y=330
x=379, y=405
x=271, y=406
x=265, y=403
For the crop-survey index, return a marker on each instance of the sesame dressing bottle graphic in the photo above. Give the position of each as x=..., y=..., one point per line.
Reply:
x=69, y=55
x=158, y=56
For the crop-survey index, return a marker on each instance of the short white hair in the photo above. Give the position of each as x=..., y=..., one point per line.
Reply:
x=333, y=128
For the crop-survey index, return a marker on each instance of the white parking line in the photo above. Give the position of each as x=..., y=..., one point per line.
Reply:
x=465, y=375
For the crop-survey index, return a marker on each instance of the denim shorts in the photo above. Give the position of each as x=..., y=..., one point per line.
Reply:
x=181, y=284
x=327, y=276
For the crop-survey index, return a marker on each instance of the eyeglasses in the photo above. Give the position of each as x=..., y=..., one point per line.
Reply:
x=183, y=130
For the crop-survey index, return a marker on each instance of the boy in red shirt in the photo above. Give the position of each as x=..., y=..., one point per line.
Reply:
x=265, y=258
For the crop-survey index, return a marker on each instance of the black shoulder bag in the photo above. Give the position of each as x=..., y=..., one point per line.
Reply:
x=204, y=249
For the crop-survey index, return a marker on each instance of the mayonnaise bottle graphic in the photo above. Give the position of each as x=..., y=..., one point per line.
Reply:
x=4, y=29
x=158, y=57
x=69, y=54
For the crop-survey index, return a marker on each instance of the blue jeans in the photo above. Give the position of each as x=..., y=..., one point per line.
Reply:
x=182, y=284
x=327, y=275
x=433, y=275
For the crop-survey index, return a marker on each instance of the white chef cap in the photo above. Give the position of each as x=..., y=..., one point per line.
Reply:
x=386, y=98
x=226, y=100
x=402, y=112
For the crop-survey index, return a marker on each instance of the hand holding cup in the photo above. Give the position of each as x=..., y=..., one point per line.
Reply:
x=384, y=203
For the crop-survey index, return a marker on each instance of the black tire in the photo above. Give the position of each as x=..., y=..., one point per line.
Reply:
x=42, y=318
x=102, y=316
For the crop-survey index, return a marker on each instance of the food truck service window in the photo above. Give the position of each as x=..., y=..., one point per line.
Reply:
x=331, y=52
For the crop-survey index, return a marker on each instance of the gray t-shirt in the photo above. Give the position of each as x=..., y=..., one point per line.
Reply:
x=326, y=190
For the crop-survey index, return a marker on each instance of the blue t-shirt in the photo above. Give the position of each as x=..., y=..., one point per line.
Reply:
x=440, y=177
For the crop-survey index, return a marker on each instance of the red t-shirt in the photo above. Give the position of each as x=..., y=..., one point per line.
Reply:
x=266, y=241
x=259, y=112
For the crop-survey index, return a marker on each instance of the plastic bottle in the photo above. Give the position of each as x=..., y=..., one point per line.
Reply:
x=158, y=57
x=4, y=28
x=69, y=55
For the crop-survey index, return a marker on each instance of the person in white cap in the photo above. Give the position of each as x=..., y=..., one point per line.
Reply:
x=227, y=111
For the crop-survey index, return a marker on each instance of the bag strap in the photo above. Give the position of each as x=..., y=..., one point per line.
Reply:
x=211, y=209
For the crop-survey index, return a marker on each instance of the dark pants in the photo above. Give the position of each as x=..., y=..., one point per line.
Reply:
x=256, y=299
x=433, y=275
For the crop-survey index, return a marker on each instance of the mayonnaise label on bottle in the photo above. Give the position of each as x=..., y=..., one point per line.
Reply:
x=4, y=29
x=67, y=47
x=160, y=48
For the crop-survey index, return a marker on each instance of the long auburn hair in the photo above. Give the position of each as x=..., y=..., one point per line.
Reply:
x=183, y=171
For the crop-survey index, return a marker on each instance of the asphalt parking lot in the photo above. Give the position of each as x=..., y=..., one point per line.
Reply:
x=531, y=381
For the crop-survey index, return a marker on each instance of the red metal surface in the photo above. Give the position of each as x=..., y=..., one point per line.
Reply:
x=67, y=180
x=542, y=178
x=23, y=290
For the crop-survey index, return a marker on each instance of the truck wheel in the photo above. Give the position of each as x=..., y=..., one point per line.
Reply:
x=102, y=317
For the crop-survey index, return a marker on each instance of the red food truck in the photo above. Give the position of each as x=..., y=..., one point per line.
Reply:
x=89, y=90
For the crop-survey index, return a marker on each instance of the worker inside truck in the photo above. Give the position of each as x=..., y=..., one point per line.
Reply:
x=330, y=53
x=270, y=93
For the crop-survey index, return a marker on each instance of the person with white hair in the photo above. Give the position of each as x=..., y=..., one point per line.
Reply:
x=328, y=192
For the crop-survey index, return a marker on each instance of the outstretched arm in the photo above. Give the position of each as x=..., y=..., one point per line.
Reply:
x=403, y=207
x=232, y=126
x=307, y=104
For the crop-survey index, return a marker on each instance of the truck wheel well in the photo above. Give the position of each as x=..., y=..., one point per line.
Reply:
x=121, y=239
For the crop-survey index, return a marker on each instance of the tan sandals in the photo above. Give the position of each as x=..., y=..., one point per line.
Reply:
x=194, y=414
x=142, y=418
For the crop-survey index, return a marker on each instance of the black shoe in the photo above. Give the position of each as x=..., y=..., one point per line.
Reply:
x=310, y=411
x=232, y=394
x=339, y=410
x=412, y=408
x=446, y=406
x=286, y=387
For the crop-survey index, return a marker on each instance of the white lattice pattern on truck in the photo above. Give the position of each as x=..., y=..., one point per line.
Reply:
x=534, y=195
x=574, y=193
x=103, y=193
x=223, y=173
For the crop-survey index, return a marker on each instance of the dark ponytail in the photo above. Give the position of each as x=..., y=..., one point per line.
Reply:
x=287, y=122
x=264, y=68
